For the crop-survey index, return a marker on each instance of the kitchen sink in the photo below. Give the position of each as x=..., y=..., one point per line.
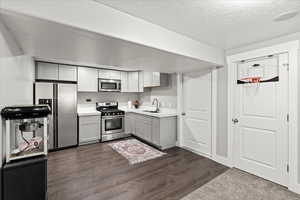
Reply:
x=151, y=111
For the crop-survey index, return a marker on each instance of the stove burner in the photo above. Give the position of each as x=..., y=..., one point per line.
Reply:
x=109, y=109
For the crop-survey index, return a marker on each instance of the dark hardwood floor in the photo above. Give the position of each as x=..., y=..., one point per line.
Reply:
x=96, y=172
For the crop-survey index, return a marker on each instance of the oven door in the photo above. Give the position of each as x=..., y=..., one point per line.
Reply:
x=112, y=124
x=106, y=85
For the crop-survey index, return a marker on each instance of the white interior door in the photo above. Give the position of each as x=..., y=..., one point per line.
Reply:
x=260, y=127
x=196, y=123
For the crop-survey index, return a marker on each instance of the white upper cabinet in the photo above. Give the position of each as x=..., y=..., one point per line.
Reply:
x=124, y=81
x=151, y=79
x=87, y=79
x=46, y=71
x=52, y=71
x=109, y=74
x=141, y=81
x=133, y=81
x=67, y=73
x=115, y=74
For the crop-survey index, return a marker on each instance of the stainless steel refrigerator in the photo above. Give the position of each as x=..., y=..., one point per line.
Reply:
x=62, y=99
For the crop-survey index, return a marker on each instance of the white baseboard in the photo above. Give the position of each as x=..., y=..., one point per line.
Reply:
x=222, y=160
x=197, y=152
x=216, y=158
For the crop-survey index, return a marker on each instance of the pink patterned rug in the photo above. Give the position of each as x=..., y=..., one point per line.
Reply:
x=135, y=151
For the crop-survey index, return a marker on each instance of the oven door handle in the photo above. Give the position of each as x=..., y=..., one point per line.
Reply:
x=115, y=117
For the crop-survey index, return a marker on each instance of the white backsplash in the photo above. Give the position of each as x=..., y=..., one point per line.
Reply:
x=122, y=98
x=167, y=96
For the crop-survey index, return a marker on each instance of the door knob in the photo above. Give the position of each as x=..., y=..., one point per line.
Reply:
x=183, y=114
x=235, y=121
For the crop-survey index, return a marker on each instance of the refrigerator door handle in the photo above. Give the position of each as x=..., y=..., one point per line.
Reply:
x=55, y=120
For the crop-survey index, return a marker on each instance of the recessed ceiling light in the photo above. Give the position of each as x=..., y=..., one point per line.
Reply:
x=286, y=15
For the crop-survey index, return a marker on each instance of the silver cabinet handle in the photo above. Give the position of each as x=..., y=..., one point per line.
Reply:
x=235, y=121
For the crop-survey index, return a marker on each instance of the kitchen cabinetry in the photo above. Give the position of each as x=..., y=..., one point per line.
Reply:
x=161, y=132
x=141, y=81
x=87, y=79
x=129, y=123
x=133, y=81
x=89, y=129
x=124, y=81
x=52, y=71
x=151, y=79
x=67, y=73
x=130, y=82
x=155, y=79
x=109, y=74
x=46, y=71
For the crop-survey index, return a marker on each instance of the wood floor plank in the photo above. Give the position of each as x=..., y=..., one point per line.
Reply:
x=96, y=172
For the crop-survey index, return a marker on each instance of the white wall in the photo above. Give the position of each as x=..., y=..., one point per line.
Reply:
x=16, y=75
x=167, y=96
x=98, y=18
x=222, y=111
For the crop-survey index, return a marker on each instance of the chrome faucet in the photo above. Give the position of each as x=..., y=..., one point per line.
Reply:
x=157, y=104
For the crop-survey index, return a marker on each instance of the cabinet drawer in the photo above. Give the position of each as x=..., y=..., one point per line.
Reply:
x=144, y=119
x=89, y=119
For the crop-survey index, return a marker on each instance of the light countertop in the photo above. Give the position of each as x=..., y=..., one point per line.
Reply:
x=163, y=112
x=87, y=110
x=90, y=110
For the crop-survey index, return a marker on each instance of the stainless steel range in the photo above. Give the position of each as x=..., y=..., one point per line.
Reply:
x=112, y=121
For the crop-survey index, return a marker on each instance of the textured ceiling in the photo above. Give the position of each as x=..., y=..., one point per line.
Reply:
x=222, y=23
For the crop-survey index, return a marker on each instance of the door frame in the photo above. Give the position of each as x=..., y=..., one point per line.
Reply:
x=214, y=79
x=292, y=48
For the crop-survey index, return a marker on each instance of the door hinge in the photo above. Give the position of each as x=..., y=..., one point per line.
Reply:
x=288, y=168
x=287, y=66
x=287, y=117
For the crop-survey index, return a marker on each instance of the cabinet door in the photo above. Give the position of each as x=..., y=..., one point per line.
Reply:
x=87, y=79
x=155, y=79
x=67, y=73
x=139, y=128
x=103, y=73
x=129, y=123
x=141, y=82
x=144, y=127
x=133, y=81
x=147, y=79
x=124, y=82
x=115, y=74
x=47, y=71
x=156, y=131
x=89, y=129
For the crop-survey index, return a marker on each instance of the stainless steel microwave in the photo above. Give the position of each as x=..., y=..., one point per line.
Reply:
x=109, y=85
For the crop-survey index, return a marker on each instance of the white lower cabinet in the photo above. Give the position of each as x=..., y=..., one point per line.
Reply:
x=161, y=132
x=89, y=129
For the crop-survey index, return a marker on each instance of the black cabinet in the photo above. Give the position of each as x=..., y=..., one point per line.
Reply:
x=25, y=179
